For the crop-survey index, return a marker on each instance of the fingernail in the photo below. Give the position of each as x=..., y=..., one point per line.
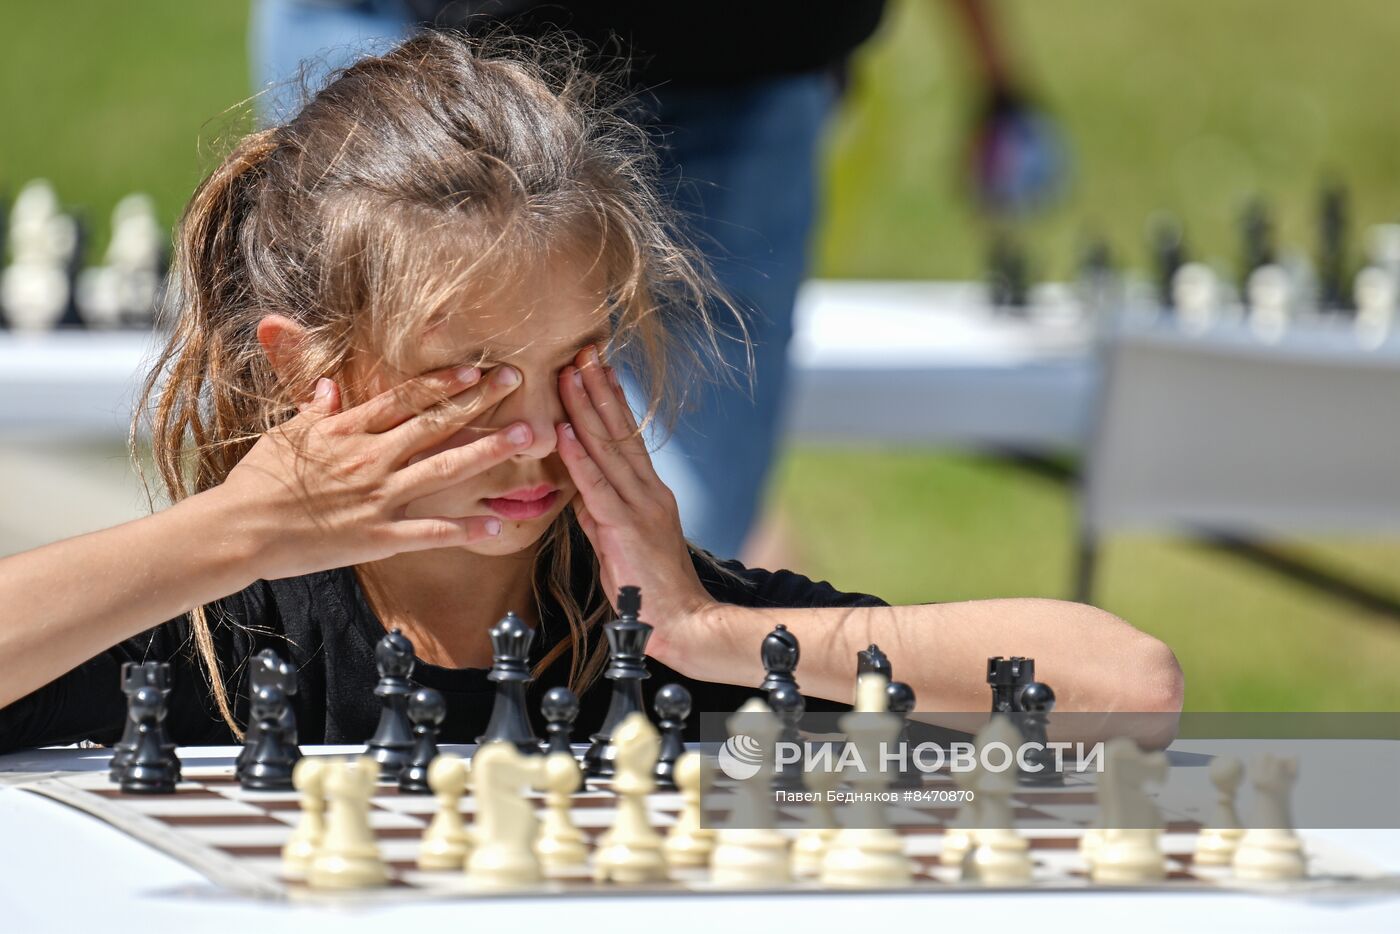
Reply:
x=468, y=375
x=507, y=376
x=569, y=431
x=578, y=378
x=323, y=389
x=593, y=354
x=518, y=434
x=612, y=378
x=493, y=526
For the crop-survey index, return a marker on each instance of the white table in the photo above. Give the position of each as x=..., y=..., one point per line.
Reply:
x=67, y=871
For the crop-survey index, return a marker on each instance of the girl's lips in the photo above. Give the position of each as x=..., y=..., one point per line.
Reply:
x=522, y=509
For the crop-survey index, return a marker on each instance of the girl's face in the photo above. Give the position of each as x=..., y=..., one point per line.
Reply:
x=540, y=330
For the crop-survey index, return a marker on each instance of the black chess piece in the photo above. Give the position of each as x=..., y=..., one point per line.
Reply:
x=1034, y=702
x=1005, y=675
x=627, y=669
x=872, y=660
x=900, y=700
x=154, y=768
x=1332, y=247
x=136, y=675
x=787, y=702
x=269, y=764
x=779, y=654
x=1008, y=280
x=510, y=671
x=267, y=669
x=560, y=709
x=426, y=711
x=1169, y=254
x=1257, y=236
x=672, y=706
x=392, y=742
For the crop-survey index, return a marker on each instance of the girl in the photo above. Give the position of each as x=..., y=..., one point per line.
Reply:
x=389, y=399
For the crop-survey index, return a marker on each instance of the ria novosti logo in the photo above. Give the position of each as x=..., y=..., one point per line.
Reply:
x=740, y=757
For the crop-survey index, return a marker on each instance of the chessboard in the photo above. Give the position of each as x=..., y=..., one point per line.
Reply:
x=234, y=838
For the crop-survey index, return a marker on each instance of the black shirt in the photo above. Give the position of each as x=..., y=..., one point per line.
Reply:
x=705, y=43
x=324, y=625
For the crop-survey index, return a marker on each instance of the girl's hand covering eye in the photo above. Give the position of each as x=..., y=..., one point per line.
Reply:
x=330, y=487
x=628, y=514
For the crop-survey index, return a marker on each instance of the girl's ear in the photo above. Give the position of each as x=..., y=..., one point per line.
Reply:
x=281, y=339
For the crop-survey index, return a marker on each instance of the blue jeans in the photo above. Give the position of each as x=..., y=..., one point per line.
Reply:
x=740, y=161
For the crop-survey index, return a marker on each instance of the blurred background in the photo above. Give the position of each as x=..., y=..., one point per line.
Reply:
x=1202, y=141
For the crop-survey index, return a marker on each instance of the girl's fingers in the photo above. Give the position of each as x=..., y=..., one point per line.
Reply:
x=439, y=421
x=638, y=454
x=443, y=532
x=454, y=465
x=600, y=496
x=605, y=450
x=399, y=403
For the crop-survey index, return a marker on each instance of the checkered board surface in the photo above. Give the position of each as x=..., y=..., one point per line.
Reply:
x=235, y=837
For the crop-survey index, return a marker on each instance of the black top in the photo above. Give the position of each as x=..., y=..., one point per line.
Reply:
x=324, y=625
x=693, y=43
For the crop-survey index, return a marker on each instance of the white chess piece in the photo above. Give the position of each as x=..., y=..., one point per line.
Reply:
x=308, y=777
x=1216, y=844
x=1376, y=292
x=868, y=853
x=999, y=855
x=1271, y=299
x=753, y=852
x=809, y=849
x=560, y=845
x=630, y=851
x=1196, y=296
x=504, y=855
x=957, y=839
x=1270, y=850
x=447, y=842
x=348, y=857
x=34, y=287
x=689, y=844
x=1131, y=850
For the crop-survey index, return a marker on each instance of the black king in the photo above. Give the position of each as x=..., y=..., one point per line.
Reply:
x=627, y=669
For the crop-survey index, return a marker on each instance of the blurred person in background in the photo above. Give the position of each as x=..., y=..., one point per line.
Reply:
x=737, y=98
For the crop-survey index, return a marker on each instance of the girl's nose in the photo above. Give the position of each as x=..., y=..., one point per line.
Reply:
x=536, y=403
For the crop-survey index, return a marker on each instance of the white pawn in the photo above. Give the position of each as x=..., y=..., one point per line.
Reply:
x=754, y=853
x=688, y=844
x=1270, y=850
x=504, y=856
x=560, y=845
x=868, y=853
x=1216, y=844
x=999, y=855
x=957, y=839
x=447, y=842
x=1131, y=850
x=809, y=849
x=348, y=857
x=308, y=777
x=630, y=851
x=1196, y=295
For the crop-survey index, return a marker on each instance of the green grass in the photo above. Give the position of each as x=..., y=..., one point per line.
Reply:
x=1190, y=106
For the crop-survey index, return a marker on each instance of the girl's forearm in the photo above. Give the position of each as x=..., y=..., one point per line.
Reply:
x=1092, y=659
x=68, y=601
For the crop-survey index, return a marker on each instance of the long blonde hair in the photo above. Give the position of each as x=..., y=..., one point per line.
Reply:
x=444, y=165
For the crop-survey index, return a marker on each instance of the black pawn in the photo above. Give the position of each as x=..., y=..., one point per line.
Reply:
x=873, y=661
x=779, y=654
x=510, y=670
x=901, y=700
x=426, y=711
x=788, y=704
x=560, y=709
x=153, y=769
x=269, y=765
x=1034, y=702
x=392, y=742
x=672, y=706
x=627, y=669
